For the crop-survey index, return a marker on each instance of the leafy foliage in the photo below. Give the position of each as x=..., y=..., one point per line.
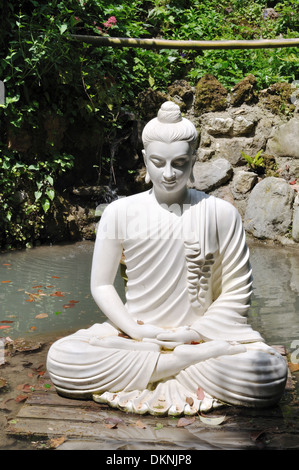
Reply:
x=50, y=78
x=255, y=163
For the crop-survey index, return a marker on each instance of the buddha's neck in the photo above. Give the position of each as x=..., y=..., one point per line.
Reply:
x=181, y=197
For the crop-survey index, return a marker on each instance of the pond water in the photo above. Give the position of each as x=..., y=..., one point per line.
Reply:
x=46, y=290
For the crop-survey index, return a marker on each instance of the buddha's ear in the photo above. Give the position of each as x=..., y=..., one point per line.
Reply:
x=147, y=176
x=144, y=156
x=191, y=173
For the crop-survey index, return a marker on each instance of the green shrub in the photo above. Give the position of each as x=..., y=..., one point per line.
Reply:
x=46, y=74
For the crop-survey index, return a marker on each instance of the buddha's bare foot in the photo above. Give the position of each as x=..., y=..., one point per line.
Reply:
x=191, y=354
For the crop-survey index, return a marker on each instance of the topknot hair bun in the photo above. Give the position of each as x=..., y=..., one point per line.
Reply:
x=169, y=113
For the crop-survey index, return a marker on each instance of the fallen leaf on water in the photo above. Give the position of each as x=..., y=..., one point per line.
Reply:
x=74, y=301
x=293, y=367
x=42, y=315
x=68, y=305
x=31, y=297
x=57, y=294
x=26, y=388
x=55, y=277
x=33, y=328
x=36, y=287
x=182, y=422
x=4, y=282
x=213, y=421
x=6, y=264
x=112, y=423
x=110, y=426
x=6, y=321
x=3, y=327
x=56, y=442
x=21, y=398
x=140, y=425
x=200, y=393
x=2, y=382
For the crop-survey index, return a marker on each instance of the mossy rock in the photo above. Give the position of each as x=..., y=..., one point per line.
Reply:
x=181, y=90
x=210, y=95
x=149, y=102
x=270, y=164
x=277, y=98
x=244, y=92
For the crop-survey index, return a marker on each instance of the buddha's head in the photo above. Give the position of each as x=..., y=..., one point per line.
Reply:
x=169, y=142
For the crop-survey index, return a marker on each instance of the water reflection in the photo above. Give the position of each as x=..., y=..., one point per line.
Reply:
x=39, y=277
x=48, y=290
x=275, y=302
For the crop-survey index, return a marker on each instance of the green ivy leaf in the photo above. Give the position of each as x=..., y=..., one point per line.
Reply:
x=63, y=28
x=45, y=204
x=38, y=195
x=50, y=193
x=50, y=179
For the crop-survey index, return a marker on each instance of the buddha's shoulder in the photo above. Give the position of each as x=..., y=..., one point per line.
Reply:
x=126, y=201
x=221, y=206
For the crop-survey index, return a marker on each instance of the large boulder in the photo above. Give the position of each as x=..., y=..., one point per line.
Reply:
x=269, y=210
x=284, y=141
x=212, y=174
x=295, y=227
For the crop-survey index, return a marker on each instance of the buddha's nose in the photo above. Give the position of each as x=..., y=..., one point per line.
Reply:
x=168, y=173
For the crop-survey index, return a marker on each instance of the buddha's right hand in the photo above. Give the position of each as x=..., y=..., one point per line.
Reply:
x=140, y=332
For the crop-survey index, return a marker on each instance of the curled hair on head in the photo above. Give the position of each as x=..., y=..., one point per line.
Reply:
x=169, y=126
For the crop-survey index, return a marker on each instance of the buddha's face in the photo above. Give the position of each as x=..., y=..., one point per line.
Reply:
x=168, y=165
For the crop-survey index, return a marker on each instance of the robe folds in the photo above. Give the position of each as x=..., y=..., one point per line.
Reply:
x=185, y=267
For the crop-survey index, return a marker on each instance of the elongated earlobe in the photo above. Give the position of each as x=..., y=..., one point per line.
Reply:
x=192, y=176
x=147, y=178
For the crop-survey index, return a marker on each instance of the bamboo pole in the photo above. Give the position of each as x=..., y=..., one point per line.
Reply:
x=105, y=41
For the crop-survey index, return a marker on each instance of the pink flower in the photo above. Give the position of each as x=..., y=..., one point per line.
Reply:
x=110, y=22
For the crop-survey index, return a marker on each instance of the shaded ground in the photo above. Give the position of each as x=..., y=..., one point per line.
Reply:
x=33, y=416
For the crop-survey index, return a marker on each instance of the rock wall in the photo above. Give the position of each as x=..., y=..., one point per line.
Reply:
x=231, y=124
x=243, y=121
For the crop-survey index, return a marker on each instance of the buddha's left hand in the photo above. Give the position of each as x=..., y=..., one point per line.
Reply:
x=182, y=334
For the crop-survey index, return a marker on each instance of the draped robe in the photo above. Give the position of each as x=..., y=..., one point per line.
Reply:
x=185, y=268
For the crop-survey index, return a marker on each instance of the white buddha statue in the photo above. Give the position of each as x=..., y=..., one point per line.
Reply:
x=181, y=342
